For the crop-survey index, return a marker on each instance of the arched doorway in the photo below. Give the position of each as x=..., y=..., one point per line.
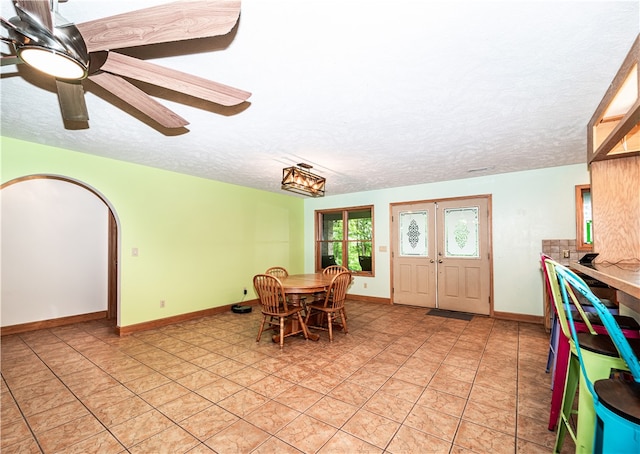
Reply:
x=60, y=251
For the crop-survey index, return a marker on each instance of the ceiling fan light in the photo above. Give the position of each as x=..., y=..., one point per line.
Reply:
x=53, y=62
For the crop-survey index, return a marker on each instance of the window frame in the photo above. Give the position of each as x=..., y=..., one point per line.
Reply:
x=319, y=240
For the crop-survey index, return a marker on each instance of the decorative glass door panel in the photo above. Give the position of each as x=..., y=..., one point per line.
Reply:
x=461, y=232
x=414, y=239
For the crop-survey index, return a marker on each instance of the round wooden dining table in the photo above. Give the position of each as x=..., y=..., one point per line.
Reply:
x=298, y=286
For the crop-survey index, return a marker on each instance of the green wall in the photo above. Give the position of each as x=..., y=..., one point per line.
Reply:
x=200, y=242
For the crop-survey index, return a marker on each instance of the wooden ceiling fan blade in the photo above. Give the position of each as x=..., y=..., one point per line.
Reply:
x=139, y=100
x=39, y=10
x=71, y=98
x=174, y=21
x=174, y=80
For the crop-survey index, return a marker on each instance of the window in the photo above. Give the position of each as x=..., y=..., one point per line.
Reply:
x=345, y=237
x=584, y=230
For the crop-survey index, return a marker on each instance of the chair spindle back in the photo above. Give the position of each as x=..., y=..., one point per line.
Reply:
x=270, y=292
x=277, y=271
x=337, y=292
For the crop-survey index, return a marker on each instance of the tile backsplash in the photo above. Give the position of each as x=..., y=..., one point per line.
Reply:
x=555, y=248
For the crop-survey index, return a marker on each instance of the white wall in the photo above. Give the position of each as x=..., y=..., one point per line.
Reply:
x=53, y=251
x=527, y=207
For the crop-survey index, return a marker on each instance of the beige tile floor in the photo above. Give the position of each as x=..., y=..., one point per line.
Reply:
x=401, y=381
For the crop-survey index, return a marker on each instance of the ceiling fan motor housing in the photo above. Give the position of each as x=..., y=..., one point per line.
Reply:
x=65, y=42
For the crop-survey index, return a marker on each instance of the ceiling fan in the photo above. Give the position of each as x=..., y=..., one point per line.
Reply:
x=72, y=53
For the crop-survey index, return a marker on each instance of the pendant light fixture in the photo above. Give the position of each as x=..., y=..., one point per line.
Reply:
x=300, y=180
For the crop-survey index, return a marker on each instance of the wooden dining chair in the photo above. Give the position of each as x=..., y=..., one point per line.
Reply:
x=274, y=307
x=335, y=269
x=330, y=270
x=332, y=306
x=280, y=273
x=277, y=271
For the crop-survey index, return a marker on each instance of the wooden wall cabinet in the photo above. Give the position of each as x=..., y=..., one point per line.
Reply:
x=615, y=190
x=614, y=132
x=614, y=129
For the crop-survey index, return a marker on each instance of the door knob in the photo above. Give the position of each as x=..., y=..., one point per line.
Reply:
x=440, y=261
x=432, y=261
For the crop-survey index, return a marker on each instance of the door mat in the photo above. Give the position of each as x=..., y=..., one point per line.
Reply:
x=451, y=314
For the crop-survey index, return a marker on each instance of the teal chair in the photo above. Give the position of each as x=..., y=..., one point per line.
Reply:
x=616, y=401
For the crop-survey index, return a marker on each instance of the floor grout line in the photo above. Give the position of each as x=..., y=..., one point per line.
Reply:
x=232, y=337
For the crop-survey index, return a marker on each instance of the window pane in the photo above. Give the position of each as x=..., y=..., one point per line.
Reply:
x=360, y=255
x=336, y=248
x=359, y=231
x=332, y=226
x=587, y=217
x=365, y=213
x=331, y=253
x=359, y=225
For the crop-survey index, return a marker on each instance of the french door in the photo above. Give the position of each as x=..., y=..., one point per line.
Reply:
x=441, y=254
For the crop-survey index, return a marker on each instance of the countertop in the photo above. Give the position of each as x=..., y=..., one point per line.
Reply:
x=624, y=277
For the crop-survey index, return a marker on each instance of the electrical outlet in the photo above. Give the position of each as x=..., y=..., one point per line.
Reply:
x=566, y=253
x=364, y=285
x=244, y=292
x=162, y=303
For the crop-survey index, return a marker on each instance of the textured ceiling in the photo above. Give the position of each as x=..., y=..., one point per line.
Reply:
x=374, y=94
